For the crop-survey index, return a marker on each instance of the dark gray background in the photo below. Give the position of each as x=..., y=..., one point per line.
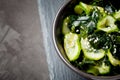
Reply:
x=22, y=54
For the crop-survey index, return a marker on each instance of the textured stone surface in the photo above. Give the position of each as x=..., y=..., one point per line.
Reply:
x=22, y=54
x=58, y=70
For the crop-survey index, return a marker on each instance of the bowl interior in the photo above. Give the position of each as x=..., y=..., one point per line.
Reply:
x=65, y=10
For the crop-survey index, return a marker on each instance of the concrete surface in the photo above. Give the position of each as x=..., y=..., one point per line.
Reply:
x=22, y=55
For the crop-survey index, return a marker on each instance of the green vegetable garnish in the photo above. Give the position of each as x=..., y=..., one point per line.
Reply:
x=92, y=38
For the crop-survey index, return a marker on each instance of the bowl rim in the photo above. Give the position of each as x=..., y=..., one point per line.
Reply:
x=80, y=72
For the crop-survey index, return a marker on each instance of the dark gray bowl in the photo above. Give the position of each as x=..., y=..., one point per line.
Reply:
x=57, y=38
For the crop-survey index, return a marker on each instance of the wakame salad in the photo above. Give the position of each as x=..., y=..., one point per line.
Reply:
x=92, y=38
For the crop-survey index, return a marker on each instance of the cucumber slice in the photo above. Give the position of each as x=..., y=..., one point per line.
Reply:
x=112, y=60
x=85, y=7
x=78, y=9
x=93, y=70
x=107, y=24
x=99, y=69
x=104, y=69
x=65, y=28
x=117, y=15
x=90, y=52
x=72, y=46
x=101, y=9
